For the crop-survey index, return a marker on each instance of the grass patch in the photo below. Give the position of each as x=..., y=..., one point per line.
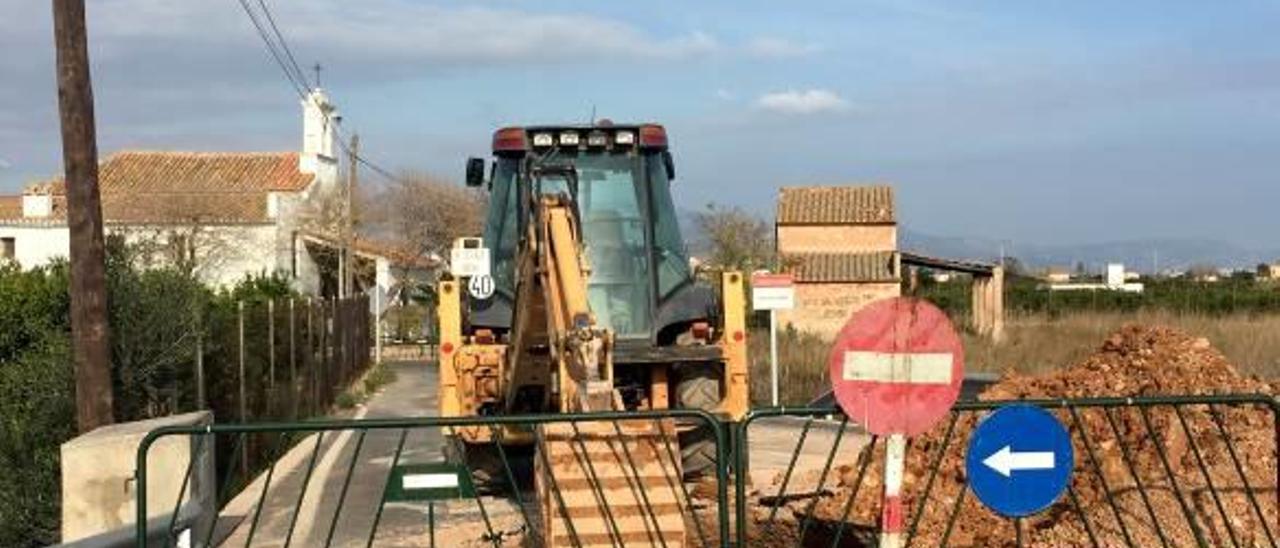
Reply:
x=373, y=380
x=349, y=399
x=1033, y=343
x=378, y=376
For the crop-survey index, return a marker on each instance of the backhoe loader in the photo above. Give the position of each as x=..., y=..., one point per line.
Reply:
x=596, y=306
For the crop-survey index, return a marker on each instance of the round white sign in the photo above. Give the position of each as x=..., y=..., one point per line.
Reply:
x=480, y=287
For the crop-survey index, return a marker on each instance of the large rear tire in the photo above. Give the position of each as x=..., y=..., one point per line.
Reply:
x=698, y=387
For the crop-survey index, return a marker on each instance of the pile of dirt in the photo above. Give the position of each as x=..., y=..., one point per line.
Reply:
x=1121, y=491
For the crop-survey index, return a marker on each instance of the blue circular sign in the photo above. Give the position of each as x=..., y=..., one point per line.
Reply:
x=1019, y=460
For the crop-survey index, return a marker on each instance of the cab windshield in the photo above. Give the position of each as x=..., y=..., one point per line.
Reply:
x=614, y=192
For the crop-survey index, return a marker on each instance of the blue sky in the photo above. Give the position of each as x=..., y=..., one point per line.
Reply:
x=1048, y=122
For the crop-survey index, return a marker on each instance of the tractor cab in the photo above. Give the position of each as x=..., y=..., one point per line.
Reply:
x=619, y=178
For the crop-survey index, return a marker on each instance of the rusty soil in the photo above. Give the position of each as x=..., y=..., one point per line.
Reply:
x=1142, y=478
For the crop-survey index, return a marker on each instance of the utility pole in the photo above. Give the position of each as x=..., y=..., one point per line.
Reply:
x=348, y=223
x=89, y=330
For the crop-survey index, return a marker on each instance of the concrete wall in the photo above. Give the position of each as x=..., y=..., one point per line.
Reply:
x=98, y=489
x=226, y=253
x=37, y=245
x=823, y=308
x=837, y=238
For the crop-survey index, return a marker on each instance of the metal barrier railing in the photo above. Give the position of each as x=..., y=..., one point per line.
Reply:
x=380, y=443
x=1139, y=492
x=1167, y=471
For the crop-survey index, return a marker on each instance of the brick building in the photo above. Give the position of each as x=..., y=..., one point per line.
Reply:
x=841, y=245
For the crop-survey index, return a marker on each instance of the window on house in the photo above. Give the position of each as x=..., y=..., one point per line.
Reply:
x=8, y=248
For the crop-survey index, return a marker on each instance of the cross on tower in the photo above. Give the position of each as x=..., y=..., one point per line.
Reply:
x=317, y=68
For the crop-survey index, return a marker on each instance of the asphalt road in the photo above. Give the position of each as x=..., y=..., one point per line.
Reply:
x=322, y=510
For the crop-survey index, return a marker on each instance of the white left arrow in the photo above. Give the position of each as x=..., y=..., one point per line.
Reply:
x=1006, y=461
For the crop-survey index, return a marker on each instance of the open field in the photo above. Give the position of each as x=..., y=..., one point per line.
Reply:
x=1033, y=343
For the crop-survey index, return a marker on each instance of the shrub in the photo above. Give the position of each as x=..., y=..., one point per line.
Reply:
x=37, y=414
x=347, y=400
x=377, y=377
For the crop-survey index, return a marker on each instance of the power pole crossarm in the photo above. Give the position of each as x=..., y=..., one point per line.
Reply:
x=89, y=329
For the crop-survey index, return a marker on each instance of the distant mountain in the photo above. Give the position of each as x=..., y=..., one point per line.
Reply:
x=1140, y=255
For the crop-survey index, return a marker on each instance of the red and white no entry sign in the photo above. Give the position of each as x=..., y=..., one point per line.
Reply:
x=897, y=365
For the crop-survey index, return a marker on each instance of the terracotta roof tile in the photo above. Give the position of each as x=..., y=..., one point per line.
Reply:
x=10, y=207
x=842, y=267
x=146, y=186
x=182, y=208
x=835, y=205
x=397, y=254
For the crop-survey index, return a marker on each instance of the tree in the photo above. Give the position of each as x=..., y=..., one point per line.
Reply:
x=1014, y=267
x=736, y=240
x=421, y=212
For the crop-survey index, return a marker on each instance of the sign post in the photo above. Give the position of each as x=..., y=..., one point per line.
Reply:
x=896, y=368
x=772, y=292
x=469, y=260
x=430, y=483
x=465, y=262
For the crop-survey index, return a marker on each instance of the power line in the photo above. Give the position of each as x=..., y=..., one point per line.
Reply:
x=297, y=70
x=377, y=169
x=288, y=64
x=299, y=87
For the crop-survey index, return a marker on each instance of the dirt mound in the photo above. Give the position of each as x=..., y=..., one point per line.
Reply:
x=1136, y=361
x=1135, y=468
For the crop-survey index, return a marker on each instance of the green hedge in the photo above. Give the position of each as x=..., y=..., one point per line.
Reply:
x=1230, y=296
x=156, y=316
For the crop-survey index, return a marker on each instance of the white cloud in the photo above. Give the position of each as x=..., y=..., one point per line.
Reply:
x=809, y=101
x=4, y=164
x=724, y=95
x=185, y=73
x=778, y=48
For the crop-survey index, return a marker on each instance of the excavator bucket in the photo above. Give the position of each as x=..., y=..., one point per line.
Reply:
x=609, y=484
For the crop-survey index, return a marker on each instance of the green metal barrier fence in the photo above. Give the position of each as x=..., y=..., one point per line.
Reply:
x=1128, y=488
x=1154, y=471
x=386, y=450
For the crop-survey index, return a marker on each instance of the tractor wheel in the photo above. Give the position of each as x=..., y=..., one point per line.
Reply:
x=698, y=387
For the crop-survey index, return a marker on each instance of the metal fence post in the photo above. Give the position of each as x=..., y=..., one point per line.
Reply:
x=310, y=357
x=377, y=326
x=271, y=357
x=293, y=364
x=326, y=340
x=200, y=393
x=244, y=405
x=339, y=358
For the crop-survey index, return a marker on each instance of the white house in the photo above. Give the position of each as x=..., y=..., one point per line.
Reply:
x=1116, y=280
x=224, y=215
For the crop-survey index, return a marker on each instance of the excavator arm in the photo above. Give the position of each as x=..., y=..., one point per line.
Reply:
x=554, y=319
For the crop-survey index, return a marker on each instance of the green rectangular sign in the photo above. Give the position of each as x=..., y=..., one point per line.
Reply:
x=429, y=482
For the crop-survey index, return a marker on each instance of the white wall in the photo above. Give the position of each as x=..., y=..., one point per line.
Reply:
x=37, y=245
x=226, y=253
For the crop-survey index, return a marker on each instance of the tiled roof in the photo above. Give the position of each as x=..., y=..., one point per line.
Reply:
x=875, y=266
x=835, y=205
x=169, y=187
x=10, y=207
x=398, y=255
x=173, y=207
